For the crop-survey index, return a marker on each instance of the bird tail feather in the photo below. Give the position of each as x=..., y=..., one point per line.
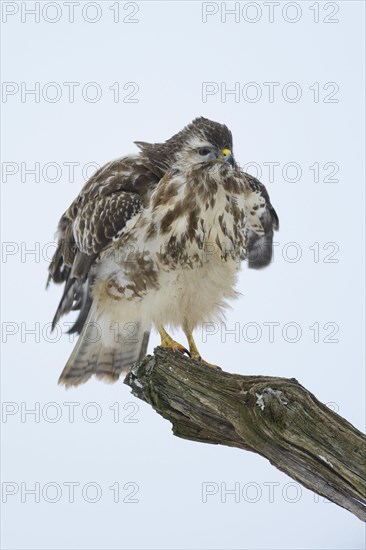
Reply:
x=93, y=356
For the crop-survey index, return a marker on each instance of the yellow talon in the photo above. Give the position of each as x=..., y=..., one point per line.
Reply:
x=195, y=354
x=167, y=342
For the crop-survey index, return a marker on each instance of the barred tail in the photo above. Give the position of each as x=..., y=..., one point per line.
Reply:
x=92, y=356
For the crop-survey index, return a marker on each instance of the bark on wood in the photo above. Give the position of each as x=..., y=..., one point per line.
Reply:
x=274, y=417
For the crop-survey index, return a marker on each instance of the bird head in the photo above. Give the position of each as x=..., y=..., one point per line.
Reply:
x=202, y=142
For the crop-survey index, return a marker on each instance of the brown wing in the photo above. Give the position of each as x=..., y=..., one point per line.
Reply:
x=99, y=214
x=262, y=220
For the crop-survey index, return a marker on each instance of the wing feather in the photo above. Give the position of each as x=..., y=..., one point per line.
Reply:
x=112, y=196
x=262, y=220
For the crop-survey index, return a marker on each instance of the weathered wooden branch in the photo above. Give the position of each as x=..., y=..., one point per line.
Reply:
x=274, y=417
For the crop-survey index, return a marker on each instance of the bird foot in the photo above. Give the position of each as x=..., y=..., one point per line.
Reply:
x=199, y=359
x=172, y=345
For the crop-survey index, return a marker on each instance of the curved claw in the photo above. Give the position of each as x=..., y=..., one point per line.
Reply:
x=167, y=342
x=199, y=359
x=180, y=349
x=174, y=346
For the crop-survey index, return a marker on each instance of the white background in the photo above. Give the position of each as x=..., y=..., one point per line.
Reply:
x=169, y=52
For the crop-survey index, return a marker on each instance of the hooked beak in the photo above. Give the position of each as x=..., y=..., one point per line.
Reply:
x=227, y=156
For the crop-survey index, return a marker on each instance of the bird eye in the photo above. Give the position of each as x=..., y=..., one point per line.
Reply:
x=204, y=151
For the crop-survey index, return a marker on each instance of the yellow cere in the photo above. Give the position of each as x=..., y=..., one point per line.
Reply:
x=226, y=152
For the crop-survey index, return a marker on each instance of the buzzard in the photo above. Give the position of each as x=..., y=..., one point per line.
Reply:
x=155, y=239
